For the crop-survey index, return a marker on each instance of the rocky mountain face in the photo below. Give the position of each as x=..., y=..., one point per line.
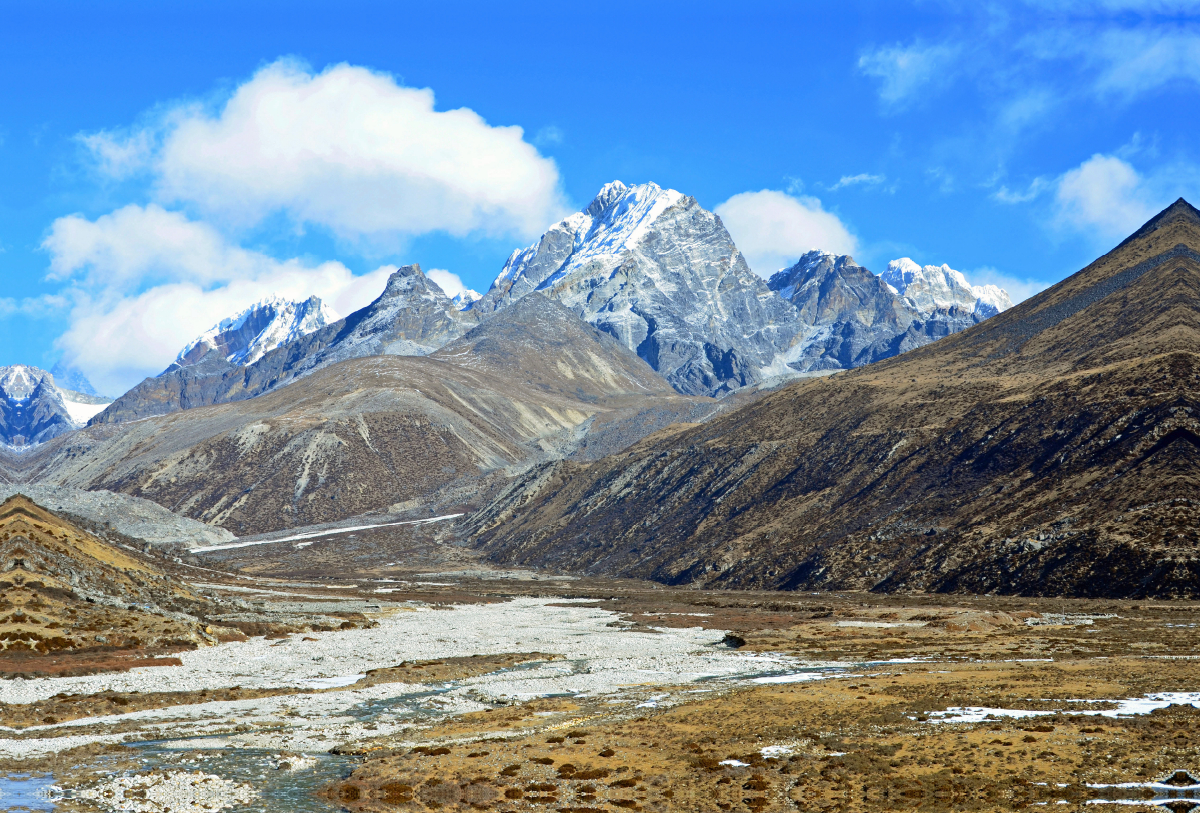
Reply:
x=659, y=273
x=413, y=316
x=414, y=433
x=1049, y=450
x=33, y=409
x=854, y=317
x=247, y=336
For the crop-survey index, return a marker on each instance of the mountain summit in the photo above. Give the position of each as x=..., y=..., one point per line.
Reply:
x=655, y=270
x=33, y=409
x=247, y=336
x=1053, y=449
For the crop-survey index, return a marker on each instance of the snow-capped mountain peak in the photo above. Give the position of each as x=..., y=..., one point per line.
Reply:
x=34, y=409
x=931, y=287
x=654, y=269
x=250, y=334
x=592, y=240
x=465, y=298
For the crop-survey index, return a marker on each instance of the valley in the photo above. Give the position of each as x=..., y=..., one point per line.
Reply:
x=581, y=545
x=477, y=688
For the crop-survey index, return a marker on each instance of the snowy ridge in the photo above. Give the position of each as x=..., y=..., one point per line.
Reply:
x=33, y=409
x=931, y=287
x=247, y=336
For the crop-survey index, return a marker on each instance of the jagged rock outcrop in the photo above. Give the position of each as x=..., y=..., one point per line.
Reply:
x=1053, y=449
x=649, y=266
x=936, y=287
x=854, y=317
x=369, y=433
x=655, y=270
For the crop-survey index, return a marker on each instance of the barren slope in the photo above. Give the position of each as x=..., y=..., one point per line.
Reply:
x=368, y=433
x=1050, y=450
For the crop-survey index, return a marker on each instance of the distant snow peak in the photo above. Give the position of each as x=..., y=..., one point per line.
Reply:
x=465, y=298
x=33, y=409
x=933, y=287
x=247, y=336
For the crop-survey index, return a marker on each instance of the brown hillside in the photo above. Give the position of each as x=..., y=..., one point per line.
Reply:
x=1051, y=450
x=63, y=592
x=369, y=433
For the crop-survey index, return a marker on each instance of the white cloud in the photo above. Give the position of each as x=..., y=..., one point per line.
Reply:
x=1109, y=6
x=1121, y=60
x=905, y=70
x=1035, y=188
x=447, y=281
x=1104, y=196
x=144, y=281
x=348, y=149
x=1143, y=59
x=773, y=229
x=862, y=178
x=136, y=243
x=120, y=155
x=548, y=136
x=44, y=306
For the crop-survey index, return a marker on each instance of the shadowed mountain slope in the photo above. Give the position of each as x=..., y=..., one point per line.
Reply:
x=1051, y=450
x=411, y=317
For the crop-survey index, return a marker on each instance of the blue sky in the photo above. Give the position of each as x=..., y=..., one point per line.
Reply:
x=164, y=164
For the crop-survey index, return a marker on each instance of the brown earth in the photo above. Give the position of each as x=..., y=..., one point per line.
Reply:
x=1050, y=450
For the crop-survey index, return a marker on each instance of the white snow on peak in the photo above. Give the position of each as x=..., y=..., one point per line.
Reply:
x=250, y=334
x=931, y=287
x=19, y=380
x=465, y=298
x=612, y=224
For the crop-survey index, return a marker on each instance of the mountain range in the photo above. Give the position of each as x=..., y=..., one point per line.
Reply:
x=33, y=409
x=1049, y=450
x=635, y=316
x=646, y=265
